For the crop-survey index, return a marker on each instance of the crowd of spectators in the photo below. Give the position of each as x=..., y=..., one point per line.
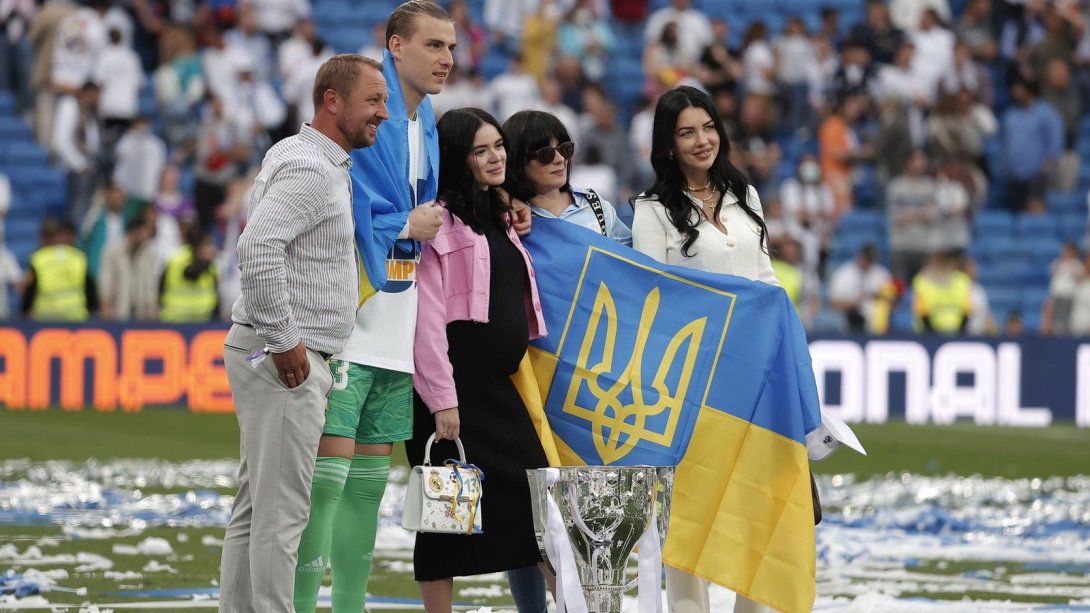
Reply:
x=911, y=110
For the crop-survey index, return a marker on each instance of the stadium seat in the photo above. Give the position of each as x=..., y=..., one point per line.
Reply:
x=1073, y=227
x=13, y=129
x=1035, y=225
x=1067, y=202
x=1004, y=299
x=7, y=102
x=993, y=223
x=997, y=247
x=1042, y=250
x=862, y=221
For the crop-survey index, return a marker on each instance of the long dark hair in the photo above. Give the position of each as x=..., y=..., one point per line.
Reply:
x=477, y=208
x=669, y=186
x=529, y=131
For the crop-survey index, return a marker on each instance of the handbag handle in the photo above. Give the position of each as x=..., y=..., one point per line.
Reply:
x=427, y=450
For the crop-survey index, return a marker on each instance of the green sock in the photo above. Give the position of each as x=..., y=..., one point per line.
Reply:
x=357, y=524
x=327, y=485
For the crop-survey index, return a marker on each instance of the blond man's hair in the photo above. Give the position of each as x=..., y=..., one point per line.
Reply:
x=340, y=73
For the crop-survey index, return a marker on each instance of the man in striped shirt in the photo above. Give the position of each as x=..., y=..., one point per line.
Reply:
x=300, y=292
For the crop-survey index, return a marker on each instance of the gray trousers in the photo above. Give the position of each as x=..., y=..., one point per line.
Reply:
x=280, y=429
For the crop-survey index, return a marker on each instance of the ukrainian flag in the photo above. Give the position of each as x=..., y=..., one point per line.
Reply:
x=662, y=365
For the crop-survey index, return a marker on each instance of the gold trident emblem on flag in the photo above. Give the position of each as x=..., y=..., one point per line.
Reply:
x=608, y=412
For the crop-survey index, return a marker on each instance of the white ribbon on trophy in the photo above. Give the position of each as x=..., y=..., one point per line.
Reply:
x=569, y=590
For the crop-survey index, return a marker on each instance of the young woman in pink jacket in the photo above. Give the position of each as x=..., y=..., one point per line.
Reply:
x=478, y=310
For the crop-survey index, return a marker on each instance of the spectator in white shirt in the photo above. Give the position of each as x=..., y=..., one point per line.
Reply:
x=141, y=156
x=119, y=75
x=219, y=62
x=758, y=61
x=10, y=275
x=795, y=66
x=934, y=51
x=223, y=145
x=257, y=106
x=899, y=81
x=694, y=27
x=277, y=17
x=77, y=144
x=808, y=206
x=247, y=37
x=856, y=286
x=81, y=36
x=298, y=49
x=513, y=91
x=905, y=14
x=297, y=89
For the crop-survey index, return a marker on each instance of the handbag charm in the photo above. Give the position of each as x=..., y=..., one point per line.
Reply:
x=444, y=499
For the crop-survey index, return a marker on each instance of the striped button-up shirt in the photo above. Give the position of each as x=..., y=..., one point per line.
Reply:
x=297, y=254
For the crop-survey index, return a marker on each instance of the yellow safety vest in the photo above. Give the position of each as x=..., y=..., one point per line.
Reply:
x=60, y=274
x=946, y=304
x=186, y=301
x=791, y=281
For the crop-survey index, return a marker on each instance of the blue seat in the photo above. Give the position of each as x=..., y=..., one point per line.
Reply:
x=1032, y=301
x=1004, y=298
x=862, y=221
x=7, y=102
x=1035, y=225
x=1073, y=226
x=1019, y=271
x=13, y=128
x=25, y=152
x=1066, y=202
x=993, y=223
x=1042, y=250
x=997, y=248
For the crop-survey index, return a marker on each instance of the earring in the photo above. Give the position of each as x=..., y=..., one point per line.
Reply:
x=670, y=155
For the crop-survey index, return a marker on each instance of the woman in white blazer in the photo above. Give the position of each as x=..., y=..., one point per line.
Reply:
x=700, y=213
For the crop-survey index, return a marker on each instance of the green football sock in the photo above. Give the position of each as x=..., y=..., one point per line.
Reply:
x=330, y=475
x=357, y=524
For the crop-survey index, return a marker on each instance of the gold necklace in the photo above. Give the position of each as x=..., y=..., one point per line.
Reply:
x=698, y=189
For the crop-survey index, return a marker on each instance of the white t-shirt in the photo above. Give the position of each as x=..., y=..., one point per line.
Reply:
x=385, y=328
x=118, y=72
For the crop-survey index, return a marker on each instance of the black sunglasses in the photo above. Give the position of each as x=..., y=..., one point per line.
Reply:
x=548, y=154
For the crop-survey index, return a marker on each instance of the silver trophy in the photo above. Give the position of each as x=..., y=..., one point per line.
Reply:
x=605, y=511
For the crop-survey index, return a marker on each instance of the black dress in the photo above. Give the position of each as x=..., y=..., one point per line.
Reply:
x=496, y=430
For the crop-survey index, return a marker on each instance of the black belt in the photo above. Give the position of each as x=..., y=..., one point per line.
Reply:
x=325, y=354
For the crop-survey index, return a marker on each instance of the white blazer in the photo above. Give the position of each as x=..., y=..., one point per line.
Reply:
x=738, y=252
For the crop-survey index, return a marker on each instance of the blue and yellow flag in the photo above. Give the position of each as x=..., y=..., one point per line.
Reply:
x=662, y=365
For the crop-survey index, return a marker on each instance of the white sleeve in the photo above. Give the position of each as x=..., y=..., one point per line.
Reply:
x=649, y=235
x=65, y=124
x=765, y=272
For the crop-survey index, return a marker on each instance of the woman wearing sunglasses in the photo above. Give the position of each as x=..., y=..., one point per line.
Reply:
x=538, y=170
x=700, y=213
x=478, y=310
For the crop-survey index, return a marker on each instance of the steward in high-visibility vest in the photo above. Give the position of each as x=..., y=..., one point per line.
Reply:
x=790, y=278
x=942, y=297
x=60, y=284
x=191, y=298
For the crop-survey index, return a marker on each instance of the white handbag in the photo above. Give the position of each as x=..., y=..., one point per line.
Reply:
x=445, y=499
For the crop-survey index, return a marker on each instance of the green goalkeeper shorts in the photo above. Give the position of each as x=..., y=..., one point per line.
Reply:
x=368, y=404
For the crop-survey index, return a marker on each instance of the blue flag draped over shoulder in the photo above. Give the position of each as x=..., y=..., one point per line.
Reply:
x=381, y=195
x=653, y=364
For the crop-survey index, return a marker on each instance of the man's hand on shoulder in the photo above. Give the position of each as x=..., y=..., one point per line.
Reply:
x=520, y=217
x=425, y=220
